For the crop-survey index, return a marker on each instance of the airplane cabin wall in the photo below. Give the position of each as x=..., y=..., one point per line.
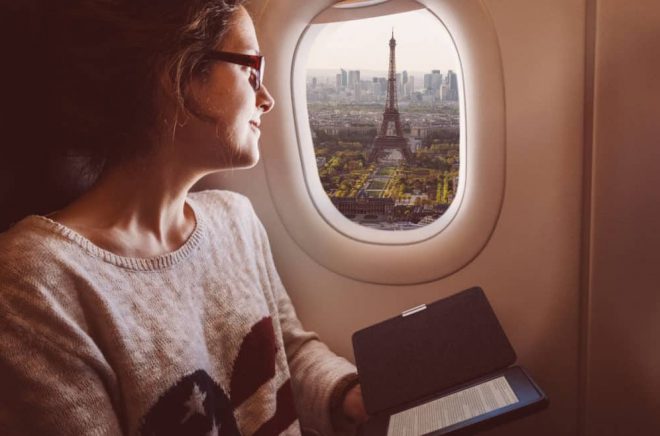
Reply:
x=623, y=372
x=530, y=268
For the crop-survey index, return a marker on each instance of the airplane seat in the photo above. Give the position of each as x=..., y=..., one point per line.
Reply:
x=34, y=177
x=38, y=185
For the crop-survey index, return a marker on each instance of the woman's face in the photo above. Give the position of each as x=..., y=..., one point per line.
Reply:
x=227, y=133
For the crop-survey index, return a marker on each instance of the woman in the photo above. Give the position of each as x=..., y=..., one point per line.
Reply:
x=140, y=308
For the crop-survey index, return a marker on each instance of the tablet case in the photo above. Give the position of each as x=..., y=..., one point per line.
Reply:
x=428, y=349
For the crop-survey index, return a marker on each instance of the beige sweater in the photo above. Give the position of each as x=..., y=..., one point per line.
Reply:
x=201, y=341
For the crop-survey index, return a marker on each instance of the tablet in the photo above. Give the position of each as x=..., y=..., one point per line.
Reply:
x=480, y=404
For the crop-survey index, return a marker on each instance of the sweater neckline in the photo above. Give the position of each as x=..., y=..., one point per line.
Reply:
x=132, y=263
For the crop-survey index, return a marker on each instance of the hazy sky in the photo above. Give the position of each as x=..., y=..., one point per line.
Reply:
x=423, y=44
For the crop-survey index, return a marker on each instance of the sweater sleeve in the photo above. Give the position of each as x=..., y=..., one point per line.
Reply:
x=47, y=390
x=319, y=377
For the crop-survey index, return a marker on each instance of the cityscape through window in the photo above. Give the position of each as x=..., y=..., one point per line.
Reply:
x=383, y=103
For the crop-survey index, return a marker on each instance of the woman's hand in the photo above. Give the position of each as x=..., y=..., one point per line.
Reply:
x=353, y=405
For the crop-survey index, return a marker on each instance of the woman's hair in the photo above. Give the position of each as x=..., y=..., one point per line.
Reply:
x=108, y=63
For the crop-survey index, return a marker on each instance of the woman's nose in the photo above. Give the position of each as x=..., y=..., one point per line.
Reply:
x=265, y=101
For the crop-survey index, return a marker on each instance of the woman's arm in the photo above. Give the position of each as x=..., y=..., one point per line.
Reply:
x=324, y=384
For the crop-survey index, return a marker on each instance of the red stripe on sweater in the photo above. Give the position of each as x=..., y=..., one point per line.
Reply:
x=255, y=363
x=285, y=414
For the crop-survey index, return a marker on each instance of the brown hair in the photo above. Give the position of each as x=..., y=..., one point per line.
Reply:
x=107, y=59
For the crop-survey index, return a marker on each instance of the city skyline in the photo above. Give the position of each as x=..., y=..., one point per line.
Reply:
x=341, y=84
x=328, y=76
x=381, y=166
x=412, y=30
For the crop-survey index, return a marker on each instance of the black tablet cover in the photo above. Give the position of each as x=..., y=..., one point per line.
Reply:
x=452, y=341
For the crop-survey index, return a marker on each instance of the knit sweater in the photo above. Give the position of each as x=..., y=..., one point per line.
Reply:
x=200, y=341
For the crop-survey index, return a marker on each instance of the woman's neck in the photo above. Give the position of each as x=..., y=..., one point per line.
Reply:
x=136, y=209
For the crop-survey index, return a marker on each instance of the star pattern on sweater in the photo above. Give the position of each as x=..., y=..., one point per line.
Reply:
x=195, y=403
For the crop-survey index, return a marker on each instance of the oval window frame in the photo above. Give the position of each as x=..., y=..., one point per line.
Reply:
x=392, y=257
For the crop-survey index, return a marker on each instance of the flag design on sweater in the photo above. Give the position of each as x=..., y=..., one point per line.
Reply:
x=197, y=406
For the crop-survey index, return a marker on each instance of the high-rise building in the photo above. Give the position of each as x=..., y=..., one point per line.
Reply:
x=452, y=85
x=353, y=78
x=383, y=85
x=344, y=78
x=436, y=80
x=444, y=92
x=428, y=80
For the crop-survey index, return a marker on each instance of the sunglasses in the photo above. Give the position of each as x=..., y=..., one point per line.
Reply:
x=256, y=62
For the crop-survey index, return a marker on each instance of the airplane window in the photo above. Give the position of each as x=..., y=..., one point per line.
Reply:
x=385, y=113
x=396, y=174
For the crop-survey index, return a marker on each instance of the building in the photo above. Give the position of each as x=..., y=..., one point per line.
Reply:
x=427, y=81
x=452, y=86
x=444, y=92
x=383, y=85
x=353, y=78
x=364, y=205
x=436, y=81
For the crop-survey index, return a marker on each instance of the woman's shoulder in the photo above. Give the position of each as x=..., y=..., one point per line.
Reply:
x=222, y=206
x=31, y=257
x=221, y=198
x=26, y=244
x=37, y=302
x=39, y=255
x=229, y=214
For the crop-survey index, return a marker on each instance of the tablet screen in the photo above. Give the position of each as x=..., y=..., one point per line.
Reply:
x=453, y=408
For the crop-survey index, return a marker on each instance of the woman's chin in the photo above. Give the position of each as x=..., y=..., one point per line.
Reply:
x=250, y=157
x=246, y=158
x=249, y=163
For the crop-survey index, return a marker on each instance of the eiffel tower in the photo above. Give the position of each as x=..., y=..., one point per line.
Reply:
x=390, y=136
